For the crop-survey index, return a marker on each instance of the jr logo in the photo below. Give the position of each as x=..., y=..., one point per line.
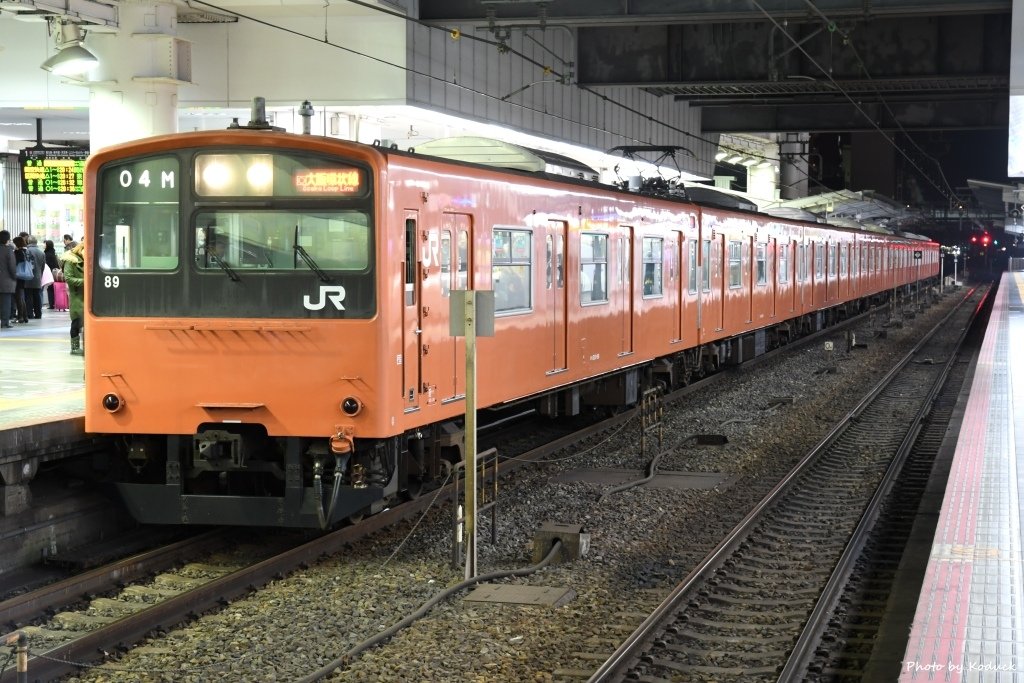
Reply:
x=333, y=293
x=430, y=253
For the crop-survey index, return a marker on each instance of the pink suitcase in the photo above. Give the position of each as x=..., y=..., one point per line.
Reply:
x=60, y=296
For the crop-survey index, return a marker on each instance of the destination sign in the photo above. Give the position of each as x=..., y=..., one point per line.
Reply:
x=52, y=171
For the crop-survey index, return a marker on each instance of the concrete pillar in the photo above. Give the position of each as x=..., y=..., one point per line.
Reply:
x=793, y=168
x=15, y=495
x=134, y=89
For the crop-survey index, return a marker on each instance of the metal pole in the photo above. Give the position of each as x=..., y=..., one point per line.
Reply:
x=942, y=271
x=469, y=316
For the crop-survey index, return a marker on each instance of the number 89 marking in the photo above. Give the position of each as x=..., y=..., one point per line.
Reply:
x=111, y=281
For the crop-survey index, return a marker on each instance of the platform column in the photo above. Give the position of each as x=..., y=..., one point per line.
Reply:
x=793, y=165
x=133, y=92
x=15, y=495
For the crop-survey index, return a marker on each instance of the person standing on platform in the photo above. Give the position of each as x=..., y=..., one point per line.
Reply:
x=74, y=274
x=51, y=262
x=34, y=287
x=20, y=256
x=8, y=280
x=69, y=243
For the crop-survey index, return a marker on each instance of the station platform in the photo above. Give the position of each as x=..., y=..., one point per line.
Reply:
x=969, y=621
x=40, y=381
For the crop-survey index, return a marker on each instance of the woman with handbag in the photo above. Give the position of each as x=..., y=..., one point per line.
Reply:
x=24, y=270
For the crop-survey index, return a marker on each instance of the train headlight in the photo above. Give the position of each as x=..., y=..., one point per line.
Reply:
x=351, y=406
x=112, y=403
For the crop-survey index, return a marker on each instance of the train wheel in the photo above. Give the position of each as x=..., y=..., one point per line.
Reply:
x=413, y=488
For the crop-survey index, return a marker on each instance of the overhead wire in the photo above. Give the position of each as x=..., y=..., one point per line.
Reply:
x=856, y=55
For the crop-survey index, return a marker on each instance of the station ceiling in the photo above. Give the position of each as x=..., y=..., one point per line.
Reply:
x=782, y=65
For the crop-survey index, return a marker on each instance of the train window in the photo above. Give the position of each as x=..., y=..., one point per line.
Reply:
x=819, y=257
x=842, y=260
x=139, y=216
x=653, y=251
x=832, y=260
x=593, y=268
x=446, y=262
x=762, y=263
x=735, y=264
x=784, y=262
x=801, y=263
x=705, y=266
x=511, y=265
x=283, y=240
x=692, y=265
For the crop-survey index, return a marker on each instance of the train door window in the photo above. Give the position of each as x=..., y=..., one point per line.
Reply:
x=410, y=262
x=819, y=265
x=593, y=268
x=783, y=262
x=842, y=260
x=801, y=263
x=691, y=264
x=705, y=266
x=555, y=262
x=549, y=257
x=832, y=266
x=446, y=262
x=559, y=262
x=139, y=215
x=735, y=264
x=762, y=263
x=462, y=260
x=653, y=252
x=511, y=270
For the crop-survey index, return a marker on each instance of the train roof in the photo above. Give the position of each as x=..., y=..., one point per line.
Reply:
x=501, y=155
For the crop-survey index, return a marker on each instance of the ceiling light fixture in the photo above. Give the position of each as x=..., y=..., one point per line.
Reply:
x=734, y=159
x=71, y=59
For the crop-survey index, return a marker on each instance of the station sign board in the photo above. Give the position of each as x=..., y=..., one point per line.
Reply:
x=54, y=170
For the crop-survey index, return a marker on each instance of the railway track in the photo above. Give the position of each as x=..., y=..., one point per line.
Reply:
x=739, y=613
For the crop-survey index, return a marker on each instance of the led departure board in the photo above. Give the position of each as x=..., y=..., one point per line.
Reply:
x=53, y=170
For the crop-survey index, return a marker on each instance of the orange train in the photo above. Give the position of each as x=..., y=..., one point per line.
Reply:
x=268, y=313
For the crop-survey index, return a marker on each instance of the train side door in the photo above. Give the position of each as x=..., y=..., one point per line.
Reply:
x=676, y=249
x=555, y=241
x=412, y=328
x=624, y=285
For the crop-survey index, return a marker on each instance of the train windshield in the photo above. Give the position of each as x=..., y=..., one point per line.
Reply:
x=246, y=234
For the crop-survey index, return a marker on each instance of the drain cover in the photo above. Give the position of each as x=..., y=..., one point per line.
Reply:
x=553, y=596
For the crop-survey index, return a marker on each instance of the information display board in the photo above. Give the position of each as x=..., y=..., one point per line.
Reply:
x=52, y=171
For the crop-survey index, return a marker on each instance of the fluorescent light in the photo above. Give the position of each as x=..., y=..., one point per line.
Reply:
x=734, y=159
x=749, y=161
x=721, y=155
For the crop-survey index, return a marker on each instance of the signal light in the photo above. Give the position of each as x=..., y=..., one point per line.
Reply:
x=984, y=239
x=974, y=238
